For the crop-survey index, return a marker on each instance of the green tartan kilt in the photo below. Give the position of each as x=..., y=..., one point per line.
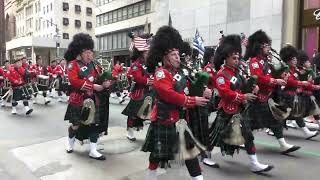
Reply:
x=133, y=106
x=161, y=141
x=304, y=103
x=215, y=137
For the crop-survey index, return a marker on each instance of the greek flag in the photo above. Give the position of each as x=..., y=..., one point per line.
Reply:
x=198, y=43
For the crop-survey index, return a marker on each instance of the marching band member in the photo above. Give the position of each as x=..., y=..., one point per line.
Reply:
x=41, y=71
x=61, y=75
x=316, y=64
x=170, y=101
x=298, y=88
x=88, y=108
x=140, y=85
x=259, y=113
x=5, y=71
x=116, y=71
x=52, y=76
x=17, y=75
x=232, y=104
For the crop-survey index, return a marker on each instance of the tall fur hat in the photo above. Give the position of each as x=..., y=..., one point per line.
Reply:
x=302, y=57
x=167, y=38
x=255, y=42
x=229, y=44
x=288, y=52
x=80, y=42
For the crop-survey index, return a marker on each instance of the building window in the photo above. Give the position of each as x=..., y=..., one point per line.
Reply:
x=135, y=10
x=114, y=15
x=65, y=35
x=44, y=10
x=142, y=8
x=77, y=8
x=47, y=8
x=125, y=13
x=130, y=12
x=89, y=25
x=50, y=6
x=89, y=11
x=105, y=19
x=65, y=21
x=65, y=6
x=110, y=17
x=119, y=14
x=77, y=23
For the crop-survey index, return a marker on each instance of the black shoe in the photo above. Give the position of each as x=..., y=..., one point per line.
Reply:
x=215, y=165
x=69, y=151
x=47, y=102
x=101, y=158
x=292, y=149
x=29, y=111
x=131, y=139
x=308, y=138
x=265, y=170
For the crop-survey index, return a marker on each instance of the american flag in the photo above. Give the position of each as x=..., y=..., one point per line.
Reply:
x=198, y=43
x=139, y=43
x=244, y=39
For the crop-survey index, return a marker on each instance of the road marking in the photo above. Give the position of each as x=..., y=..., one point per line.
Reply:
x=274, y=146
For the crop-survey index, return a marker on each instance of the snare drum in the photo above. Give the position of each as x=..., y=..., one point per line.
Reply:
x=7, y=84
x=65, y=80
x=43, y=80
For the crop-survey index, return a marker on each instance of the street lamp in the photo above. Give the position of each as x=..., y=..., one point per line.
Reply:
x=56, y=36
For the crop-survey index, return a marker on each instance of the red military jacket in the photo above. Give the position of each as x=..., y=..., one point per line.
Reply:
x=230, y=98
x=2, y=74
x=140, y=77
x=266, y=83
x=16, y=76
x=60, y=70
x=117, y=69
x=294, y=85
x=39, y=70
x=82, y=78
x=212, y=72
x=164, y=87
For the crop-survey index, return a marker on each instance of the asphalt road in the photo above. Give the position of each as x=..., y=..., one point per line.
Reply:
x=31, y=149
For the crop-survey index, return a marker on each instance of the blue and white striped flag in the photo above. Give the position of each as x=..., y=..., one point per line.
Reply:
x=198, y=43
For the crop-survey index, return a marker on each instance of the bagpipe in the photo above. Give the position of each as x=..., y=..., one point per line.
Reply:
x=279, y=70
x=88, y=109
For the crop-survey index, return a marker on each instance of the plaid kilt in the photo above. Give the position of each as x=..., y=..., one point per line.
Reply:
x=221, y=124
x=258, y=116
x=199, y=125
x=161, y=141
x=43, y=88
x=304, y=103
x=132, y=108
x=73, y=113
x=19, y=95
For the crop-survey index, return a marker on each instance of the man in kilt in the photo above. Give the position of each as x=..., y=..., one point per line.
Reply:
x=88, y=108
x=141, y=82
x=4, y=89
x=40, y=70
x=300, y=87
x=117, y=86
x=169, y=85
x=233, y=101
x=52, y=76
x=316, y=79
x=199, y=116
x=259, y=114
x=62, y=83
x=17, y=76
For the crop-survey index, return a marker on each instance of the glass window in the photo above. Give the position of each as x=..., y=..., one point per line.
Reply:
x=124, y=40
x=142, y=9
x=119, y=14
x=114, y=14
x=100, y=43
x=114, y=41
x=105, y=43
x=98, y=21
x=47, y=8
x=148, y=6
x=125, y=13
x=105, y=18
x=135, y=10
x=51, y=6
x=110, y=17
x=130, y=11
x=119, y=40
x=109, y=37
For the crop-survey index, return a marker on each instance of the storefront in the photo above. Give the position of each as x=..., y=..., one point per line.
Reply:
x=310, y=26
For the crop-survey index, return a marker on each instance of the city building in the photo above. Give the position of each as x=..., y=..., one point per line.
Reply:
x=2, y=34
x=115, y=19
x=46, y=27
